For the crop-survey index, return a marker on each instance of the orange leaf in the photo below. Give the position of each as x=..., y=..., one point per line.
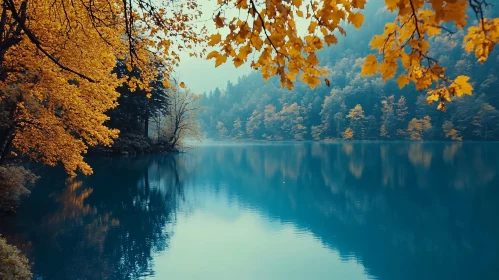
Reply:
x=215, y=39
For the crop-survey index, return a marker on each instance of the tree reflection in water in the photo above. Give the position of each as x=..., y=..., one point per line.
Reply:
x=106, y=226
x=403, y=210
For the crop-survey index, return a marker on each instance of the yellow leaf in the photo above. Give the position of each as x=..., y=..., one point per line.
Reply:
x=356, y=19
x=297, y=3
x=370, y=66
x=257, y=42
x=166, y=84
x=214, y=39
x=358, y=4
x=330, y=39
x=220, y=59
x=312, y=81
x=390, y=27
x=432, y=97
x=312, y=59
x=433, y=30
x=387, y=69
x=402, y=80
x=212, y=55
x=237, y=61
x=462, y=85
x=182, y=85
x=391, y=5
x=312, y=26
x=244, y=51
x=377, y=42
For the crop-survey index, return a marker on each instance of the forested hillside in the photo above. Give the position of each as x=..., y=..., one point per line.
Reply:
x=355, y=106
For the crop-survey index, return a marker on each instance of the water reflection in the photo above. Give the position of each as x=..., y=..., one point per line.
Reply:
x=404, y=210
x=107, y=226
x=278, y=211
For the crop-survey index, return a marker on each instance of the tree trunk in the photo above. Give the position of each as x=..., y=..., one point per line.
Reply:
x=6, y=144
x=146, y=126
x=174, y=142
x=158, y=127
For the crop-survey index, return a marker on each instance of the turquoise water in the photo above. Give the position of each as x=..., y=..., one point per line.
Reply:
x=270, y=211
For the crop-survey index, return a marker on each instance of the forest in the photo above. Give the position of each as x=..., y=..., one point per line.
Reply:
x=355, y=107
x=97, y=77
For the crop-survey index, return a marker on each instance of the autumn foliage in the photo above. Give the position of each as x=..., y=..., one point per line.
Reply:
x=57, y=57
x=269, y=31
x=405, y=43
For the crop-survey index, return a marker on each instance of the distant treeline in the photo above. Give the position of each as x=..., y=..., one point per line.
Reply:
x=355, y=107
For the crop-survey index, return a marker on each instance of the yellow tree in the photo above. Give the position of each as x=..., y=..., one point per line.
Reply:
x=56, y=56
x=383, y=133
x=451, y=132
x=348, y=134
x=292, y=122
x=54, y=113
x=401, y=110
x=237, y=132
x=222, y=130
x=56, y=62
x=357, y=118
x=387, y=116
x=417, y=127
x=253, y=124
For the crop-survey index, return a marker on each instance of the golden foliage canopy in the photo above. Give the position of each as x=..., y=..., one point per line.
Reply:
x=56, y=68
x=417, y=127
x=57, y=56
x=348, y=134
x=405, y=44
x=269, y=32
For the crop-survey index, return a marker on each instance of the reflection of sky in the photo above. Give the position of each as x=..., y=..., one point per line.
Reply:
x=222, y=239
x=275, y=211
x=322, y=211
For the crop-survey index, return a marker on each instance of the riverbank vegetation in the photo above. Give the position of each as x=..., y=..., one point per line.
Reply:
x=13, y=264
x=14, y=181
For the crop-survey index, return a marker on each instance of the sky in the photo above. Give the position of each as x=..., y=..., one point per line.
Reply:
x=200, y=75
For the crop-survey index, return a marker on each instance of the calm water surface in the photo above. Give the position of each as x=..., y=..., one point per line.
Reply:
x=270, y=211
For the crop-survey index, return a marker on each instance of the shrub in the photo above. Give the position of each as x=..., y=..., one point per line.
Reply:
x=129, y=143
x=13, y=264
x=13, y=182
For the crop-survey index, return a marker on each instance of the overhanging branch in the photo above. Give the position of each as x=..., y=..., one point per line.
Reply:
x=20, y=20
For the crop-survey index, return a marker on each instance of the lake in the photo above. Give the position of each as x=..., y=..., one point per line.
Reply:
x=270, y=211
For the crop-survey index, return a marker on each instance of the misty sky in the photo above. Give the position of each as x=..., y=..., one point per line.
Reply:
x=200, y=75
